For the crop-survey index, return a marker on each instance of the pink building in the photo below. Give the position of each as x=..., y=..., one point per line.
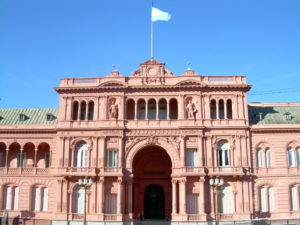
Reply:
x=152, y=145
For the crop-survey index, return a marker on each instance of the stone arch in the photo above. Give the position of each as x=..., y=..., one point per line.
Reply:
x=292, y=144
x=263, y=145
x=169, y=148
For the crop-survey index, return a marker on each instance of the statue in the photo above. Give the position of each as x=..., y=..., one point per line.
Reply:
x=191, y=110
x=113, y=110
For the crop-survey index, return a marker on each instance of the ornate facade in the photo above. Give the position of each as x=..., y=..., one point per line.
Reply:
x=151, y=144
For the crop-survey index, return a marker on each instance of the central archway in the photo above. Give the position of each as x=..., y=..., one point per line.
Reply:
x=152, y=193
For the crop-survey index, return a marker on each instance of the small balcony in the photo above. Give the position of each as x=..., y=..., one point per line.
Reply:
x=112, y=171
x=78, y=171
x=227, y=171
x=192, y=170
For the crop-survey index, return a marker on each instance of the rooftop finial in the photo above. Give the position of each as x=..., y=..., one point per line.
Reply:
x=113, y=66
x=188, y=66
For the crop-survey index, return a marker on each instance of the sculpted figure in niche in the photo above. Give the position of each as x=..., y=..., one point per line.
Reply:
x=191, y=109
x=113, y=110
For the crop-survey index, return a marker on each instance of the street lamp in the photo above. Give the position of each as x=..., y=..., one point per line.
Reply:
x=85, y=184
x=216, y=184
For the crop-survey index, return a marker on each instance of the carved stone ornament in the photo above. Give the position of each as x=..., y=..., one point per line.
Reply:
x=113, y=108
x=191, y=108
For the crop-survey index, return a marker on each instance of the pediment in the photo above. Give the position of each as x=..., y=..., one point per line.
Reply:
x=188, y=82
x=112, y=84
x=152, y=68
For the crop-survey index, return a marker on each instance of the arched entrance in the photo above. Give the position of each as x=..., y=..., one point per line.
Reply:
x=152, y=193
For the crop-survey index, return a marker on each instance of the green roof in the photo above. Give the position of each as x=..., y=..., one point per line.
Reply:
x=30, y=116
x=274, y=114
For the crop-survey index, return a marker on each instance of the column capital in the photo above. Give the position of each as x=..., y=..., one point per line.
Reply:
x=174, y=181
x=183, y=180
x=202, y=179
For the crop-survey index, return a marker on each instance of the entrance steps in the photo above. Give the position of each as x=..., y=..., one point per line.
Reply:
x=151, y=222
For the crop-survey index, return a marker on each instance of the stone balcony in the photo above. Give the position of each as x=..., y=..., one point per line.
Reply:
x=227, y=171
x=77, y=171
x=24, y=171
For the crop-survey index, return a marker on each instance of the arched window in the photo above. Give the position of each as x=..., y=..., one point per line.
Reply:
x=223, y=153
x=141, y=109
x=83, y=110
x=162, y=109
x=173, y=109
x=295, y=197
x=266, y=199
x=152, y=109
x=260, y=158
x=130, y=109
x=40, y=198
x=91, y=110
x=78, y=200
x=75, y=111
x=293, y=157
x=221, y=109
x=268, y=158
x=81, y=154
x=226, y=200
x=213, y=109
x=229, y=109
x=11, y=197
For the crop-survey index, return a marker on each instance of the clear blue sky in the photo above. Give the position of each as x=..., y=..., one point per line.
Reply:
x=42, y=41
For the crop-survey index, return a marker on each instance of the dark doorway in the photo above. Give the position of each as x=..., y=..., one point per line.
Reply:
x=154, y=202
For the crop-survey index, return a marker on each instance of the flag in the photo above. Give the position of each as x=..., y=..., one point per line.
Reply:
x=159, y=15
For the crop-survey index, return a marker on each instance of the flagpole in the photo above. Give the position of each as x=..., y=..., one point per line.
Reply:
x=151, y=38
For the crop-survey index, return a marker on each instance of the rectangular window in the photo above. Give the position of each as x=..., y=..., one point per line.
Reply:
x=191, y=157
x=111, y=204
x=24, y=157
x=271, y=199
x=45, y=199
x=259, y=158
x=16, y=198
x=192, y=206
x=112, y=158
x=37, y=198
x=262, y=198
x=47, y=160
x=8, y=198
x=268, y=158
x=294, y=198
x=298, y=157
x=1, y=159
x=291, y=158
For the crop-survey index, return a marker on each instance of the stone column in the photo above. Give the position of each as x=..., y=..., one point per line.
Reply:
x=119, y=197
x=96, y=109
x=217, y=110
x=200, y=151
x=21, y=157
x=6, y=159
x=201, y=203
x=129, y=183
x=182, y=150
x=174, y=195
x=183, y=196
x=146, y=110
x=101, y=194
x=87, y=111
x=157, y=110
x=120, y=158
x=79, y=110
x=135, y=110
x=102, y=152
x=225, y=109
x=168, y=110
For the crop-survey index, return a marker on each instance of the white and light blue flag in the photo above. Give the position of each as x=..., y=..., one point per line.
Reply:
x=157, y=14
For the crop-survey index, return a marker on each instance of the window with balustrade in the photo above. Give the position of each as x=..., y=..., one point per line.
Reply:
x=191, y=157
x=112, y=158
x=78, y=200
x=11, y=197
x=81, y=154
x=226, y=200
x=40, y=198
x=223, y=150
